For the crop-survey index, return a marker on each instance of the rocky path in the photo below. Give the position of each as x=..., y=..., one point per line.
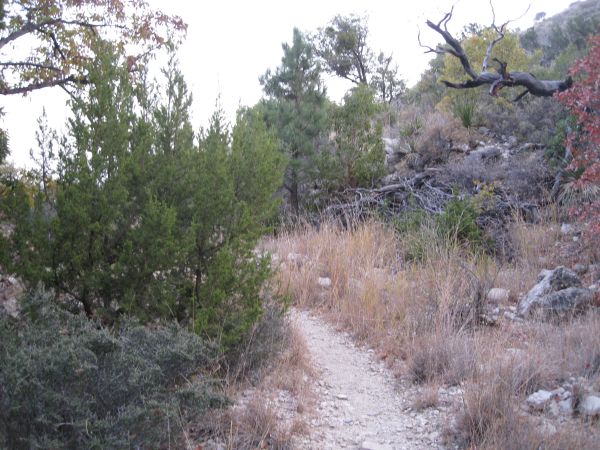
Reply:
x=360, y=404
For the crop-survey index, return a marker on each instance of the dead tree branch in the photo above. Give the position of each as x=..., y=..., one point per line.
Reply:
x=497, y=80
x=419, y=192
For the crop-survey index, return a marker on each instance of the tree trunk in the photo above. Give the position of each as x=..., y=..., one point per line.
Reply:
x=87, y=304
x=294, y=198
x=198, y=275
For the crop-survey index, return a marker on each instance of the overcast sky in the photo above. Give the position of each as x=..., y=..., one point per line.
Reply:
x=230, y=43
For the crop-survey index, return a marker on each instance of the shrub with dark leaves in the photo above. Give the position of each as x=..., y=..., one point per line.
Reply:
x=68, y=382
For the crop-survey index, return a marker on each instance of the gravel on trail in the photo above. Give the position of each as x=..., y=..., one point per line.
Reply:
x=360, y=404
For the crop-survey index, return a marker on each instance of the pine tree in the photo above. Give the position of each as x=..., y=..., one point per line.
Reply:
x=296, y=109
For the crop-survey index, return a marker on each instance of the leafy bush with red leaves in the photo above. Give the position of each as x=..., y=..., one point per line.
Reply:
x=583, y=101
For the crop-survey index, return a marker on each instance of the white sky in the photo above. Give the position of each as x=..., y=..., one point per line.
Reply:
x=230, y=43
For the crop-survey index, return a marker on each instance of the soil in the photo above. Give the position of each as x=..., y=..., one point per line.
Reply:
x=360, y=403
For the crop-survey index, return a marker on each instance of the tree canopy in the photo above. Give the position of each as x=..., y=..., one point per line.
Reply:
x=130, y=213
x=47, y=43
x=342, y=45
x=343, y=49
x=496, y=80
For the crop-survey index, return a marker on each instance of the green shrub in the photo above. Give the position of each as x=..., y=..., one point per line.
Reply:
x=465, y=109
x=418, y=235
x=357, y=158
x=420, y=232
x=410, y=221
x=555, y=149
x=458, y=223
x=68, y=382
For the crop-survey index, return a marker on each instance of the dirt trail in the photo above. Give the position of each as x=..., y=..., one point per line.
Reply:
x=360, y=404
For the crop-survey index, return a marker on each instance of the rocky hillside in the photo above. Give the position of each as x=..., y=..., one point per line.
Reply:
x=584, y=10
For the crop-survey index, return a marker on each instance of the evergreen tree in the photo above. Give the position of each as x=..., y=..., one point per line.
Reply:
x=139, y=219
x=358, y=154
x=342, y=45
x=343, y=49
x=173, y=176
x=110, y=234
x=4, y=150
x=235, y=179
x=257, y=165
x=296, y=109
x=385, y=79
x=174, y=130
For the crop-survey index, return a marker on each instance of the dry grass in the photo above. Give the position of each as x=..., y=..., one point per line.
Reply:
x=491, y=420
x=449, y=358
x=427, y=398
x=535, y=250
x=376, y=292
x=292, y=374
x=271, y=336
x=259, y=418
x=488, y=411
x=572, y=349
x=294, y=370
x=361, y=265
x=512, y=366
x=420, y=313
x=255, y=426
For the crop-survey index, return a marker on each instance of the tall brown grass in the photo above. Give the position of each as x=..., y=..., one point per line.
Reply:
x=362, y=265
x=376, y=291
x=256, y=421
x=421, y=314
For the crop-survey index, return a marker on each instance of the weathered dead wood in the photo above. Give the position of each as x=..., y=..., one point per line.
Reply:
x=497, y=80
x=424, y=191
x=419, y=192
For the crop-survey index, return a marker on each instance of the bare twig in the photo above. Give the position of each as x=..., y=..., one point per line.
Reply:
x=73, y=80
x=29, y=64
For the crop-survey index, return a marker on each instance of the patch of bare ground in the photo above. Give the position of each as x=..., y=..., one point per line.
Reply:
x=360, y=402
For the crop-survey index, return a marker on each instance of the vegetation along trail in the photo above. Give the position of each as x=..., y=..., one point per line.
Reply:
x=360, y=403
